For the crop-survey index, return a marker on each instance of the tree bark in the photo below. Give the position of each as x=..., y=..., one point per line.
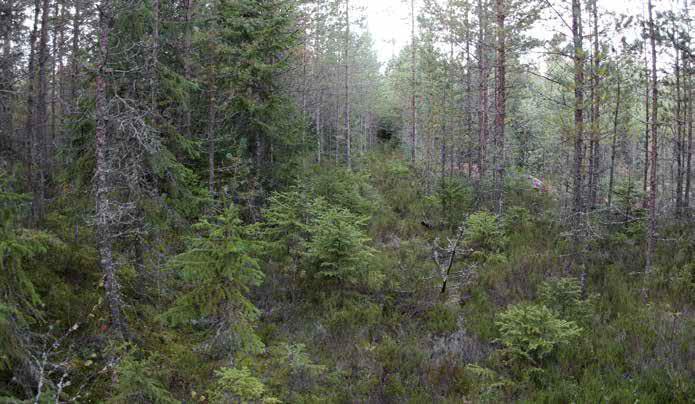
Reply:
x=469, y=95
x=103, y=175
x=647, y=103
x=500, y=103
x=614, y=141
x=212, y=111
x=39, y=146
x=6, y=79
x=30, y=128
x=595, y=152
x=689, y=117
x=413, y=111
x=348, y=135
x=483, y=94
x=578, y=106
x=76, y=32
x=154, y=73
x=689, y=147
x=319, y=132
x=651, y=233
x=678, y=144
x=187, y=67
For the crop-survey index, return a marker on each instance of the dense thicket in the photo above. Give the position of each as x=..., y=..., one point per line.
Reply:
x=234, y=201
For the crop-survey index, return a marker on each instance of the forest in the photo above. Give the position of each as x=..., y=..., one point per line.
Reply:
x=247, y=201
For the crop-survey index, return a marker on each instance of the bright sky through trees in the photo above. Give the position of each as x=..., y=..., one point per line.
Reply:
x=389, y=23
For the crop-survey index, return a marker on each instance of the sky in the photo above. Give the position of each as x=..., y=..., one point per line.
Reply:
x=389, y=20
x=389, y=23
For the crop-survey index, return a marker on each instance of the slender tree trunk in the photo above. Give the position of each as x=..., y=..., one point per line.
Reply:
x=305, y=81
x=614, y=141
x=595, y=152
x=103, y=176
x=689, y=117
x=651, y=233
x=348, y=135
x=578, y=106
x=469, y=93
x=678, y=144
x=212, y=111
x=154, y=74
x=30, y=128
x=187, y=67
x=319, y=132
x=6, y=80
x=39, y=149
x=689, y=147
x=318, y=70
x=647, y=102
x=337, y=128
x=483, y=95
x=57, y=24
x=448, y=111
x=76, y=32
x=500, y=103
x=413, y=110
x=59, y=80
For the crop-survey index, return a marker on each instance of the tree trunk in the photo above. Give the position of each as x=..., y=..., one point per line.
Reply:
x=319, y=132
x=103, y=175
x=613, y=142
x=595, y=152
x=76, y=32
x=647, y=102
x=500, y=104
x=469, y=95
x=318, y=73
x=448, y=110
x=482, y=99
x=59, y=80
x=689, y=117
x=154, y=73
x=212, y=111
x=348, y=135
x=578, y=106
x=187, y=68
x=651, y=233
x=689, y=147
x=30, y=127
x=57, y=24
x=39, y=152
x=6, y=79
x=678, y=144
x=413, y=112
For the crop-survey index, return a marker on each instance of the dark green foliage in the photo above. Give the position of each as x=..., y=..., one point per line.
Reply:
x=338, y=249
x=455, y=198
x=238, y=385
x=533, y=332
x=217, y=271
x=483, y=233
x=318, y=241
x=564, y=297
x=142, y=380
x=292, y=368
x=245, y=45
x=344, y=188
x=21, y=303
x=516, y=220
x=286, y=226
x=628, y=197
